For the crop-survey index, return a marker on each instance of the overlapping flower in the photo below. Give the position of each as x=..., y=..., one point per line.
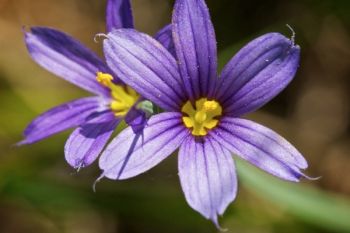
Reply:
x=202, y=108
x=95, y=117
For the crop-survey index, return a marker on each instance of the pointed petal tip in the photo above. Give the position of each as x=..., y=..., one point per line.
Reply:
x=25, y=141
x=311, y=178
x=97, y=181
x=292, y=38
x=20, y=143
x=296, y=46
x=29, y=30
x=78, y=165
x=24, y=29
x=298, y=176
x=100, y=35
x=279, y=37
x=215, y=220
x=27, y=33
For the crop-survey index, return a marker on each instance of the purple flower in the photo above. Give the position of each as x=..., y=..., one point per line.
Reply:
x=95, y=117
x=202, y=108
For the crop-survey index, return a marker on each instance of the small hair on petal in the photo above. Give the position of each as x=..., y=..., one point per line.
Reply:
x=98, y=36
x=96, y=181
x=79, y=166
x=312, y=178
x=217, y=224
x=292, y=39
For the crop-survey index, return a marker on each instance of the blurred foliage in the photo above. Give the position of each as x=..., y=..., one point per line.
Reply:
x=40, y=193
x=311, y=205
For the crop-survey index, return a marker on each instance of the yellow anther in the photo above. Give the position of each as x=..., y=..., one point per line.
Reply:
x=123, y=97
x=188, y=122
x=203, y=117
x=210, y=105
x=104, y=78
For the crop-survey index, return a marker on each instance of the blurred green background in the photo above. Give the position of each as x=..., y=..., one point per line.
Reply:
x=39, y=192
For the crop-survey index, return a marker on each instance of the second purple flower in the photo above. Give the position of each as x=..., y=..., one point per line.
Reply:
x=95, y=118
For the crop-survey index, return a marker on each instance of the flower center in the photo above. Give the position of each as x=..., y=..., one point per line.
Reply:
x=201, y=118
x=123, y=97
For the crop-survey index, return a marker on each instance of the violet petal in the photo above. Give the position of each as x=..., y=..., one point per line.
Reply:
x=257, y=73
x=119, y=15
x=136, y=119
x=260, y=146
x=195, y=44
x=87, y=141
x=208, y=177
x=145, y=65
x=131, y=154
x=165, y=37
x=60, y=118
x=66, y=57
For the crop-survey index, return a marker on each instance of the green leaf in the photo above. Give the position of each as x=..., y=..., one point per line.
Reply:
x=310, y=204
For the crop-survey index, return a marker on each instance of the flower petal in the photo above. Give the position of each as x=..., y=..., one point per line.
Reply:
x=136, y=119
x=87, y=141
x=131, y=154
x=261, y=147
x=66, y=57
x=195, y=45
x=257, y=73
x=119, y=15
x=145, y=65
x=60, y=118
x=208, y=177
x=165, y=37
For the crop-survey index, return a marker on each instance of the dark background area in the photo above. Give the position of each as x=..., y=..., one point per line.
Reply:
x=39, y=192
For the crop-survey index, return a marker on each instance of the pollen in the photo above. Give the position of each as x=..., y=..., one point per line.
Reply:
x=104, y=79
x=203, y=117
x=122, y=97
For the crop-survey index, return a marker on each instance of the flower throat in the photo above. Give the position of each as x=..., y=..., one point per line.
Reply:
x=203, y=117
x=123, y=97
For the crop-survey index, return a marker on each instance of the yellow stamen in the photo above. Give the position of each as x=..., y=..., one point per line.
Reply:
x=201, y=118
x=123, y=97
x=104, y=78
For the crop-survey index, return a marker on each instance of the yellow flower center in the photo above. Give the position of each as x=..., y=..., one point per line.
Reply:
x=201, y=118
x=123, y=97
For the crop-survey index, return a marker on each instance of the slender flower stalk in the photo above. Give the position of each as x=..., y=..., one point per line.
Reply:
x=95, y=117
x=202, y=109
